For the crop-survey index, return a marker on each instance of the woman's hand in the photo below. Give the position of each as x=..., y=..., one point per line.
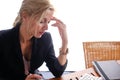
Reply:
x=33, y=77
x=62, y=30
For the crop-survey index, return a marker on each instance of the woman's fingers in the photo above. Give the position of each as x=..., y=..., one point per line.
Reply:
x=33, y=77
x=58, y=23
x=55, y=19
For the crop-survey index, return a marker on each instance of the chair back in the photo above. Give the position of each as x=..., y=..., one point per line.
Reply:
x=100, y=50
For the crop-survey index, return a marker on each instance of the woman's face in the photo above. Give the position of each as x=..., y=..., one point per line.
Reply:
x=38, y=27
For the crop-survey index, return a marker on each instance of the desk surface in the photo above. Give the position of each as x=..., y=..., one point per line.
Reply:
x=78, y=74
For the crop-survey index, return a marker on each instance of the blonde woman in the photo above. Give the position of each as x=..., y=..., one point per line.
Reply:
x=25, y=47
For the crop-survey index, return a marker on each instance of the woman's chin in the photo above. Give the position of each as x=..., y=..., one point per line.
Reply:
x=39, y=35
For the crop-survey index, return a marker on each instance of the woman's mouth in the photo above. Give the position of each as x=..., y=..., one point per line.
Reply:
x=41, y=33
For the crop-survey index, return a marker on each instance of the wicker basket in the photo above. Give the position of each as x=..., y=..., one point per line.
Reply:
x=101, y=50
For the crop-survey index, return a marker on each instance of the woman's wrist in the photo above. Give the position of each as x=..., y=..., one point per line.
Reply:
x=63, y=51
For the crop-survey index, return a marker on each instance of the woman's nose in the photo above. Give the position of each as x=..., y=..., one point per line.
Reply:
x=46, y=26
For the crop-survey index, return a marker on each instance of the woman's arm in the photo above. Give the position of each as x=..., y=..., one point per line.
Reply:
x=63, y=33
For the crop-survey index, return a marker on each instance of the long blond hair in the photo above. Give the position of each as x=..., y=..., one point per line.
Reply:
x=33, y=8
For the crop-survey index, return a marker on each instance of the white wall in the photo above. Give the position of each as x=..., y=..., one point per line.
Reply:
x=8, y=12
x=86, y=20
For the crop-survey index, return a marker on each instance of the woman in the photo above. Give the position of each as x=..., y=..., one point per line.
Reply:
x=24, y=48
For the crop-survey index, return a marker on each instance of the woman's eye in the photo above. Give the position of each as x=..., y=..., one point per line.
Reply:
x=48, y=22
x=42, y=22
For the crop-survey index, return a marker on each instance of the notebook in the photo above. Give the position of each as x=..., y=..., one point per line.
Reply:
x=109, y=70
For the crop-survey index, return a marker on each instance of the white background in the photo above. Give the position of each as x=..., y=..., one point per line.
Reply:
x=86, y=20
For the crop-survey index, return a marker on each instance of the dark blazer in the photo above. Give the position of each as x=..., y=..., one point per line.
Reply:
x=11, y=59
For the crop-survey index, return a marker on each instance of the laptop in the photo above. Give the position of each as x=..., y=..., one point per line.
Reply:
x=109, y=70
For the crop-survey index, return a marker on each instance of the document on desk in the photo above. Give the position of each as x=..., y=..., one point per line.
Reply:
x=87, y=76
x=109, y=70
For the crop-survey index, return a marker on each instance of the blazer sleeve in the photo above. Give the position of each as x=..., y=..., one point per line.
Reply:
x=1, y=41
x=51, y=60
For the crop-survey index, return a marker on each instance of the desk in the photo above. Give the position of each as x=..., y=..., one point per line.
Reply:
x=78, y=74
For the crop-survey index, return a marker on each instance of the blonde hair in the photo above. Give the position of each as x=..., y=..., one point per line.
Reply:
x=33, y=8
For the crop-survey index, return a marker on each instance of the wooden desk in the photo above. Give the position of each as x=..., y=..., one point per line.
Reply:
x=76, y=75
